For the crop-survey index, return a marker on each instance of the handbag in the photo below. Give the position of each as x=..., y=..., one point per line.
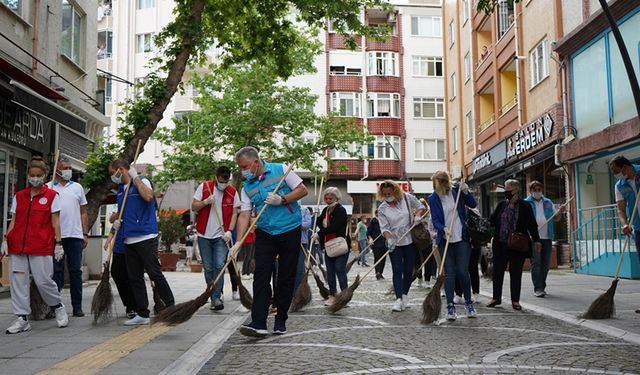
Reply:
x=518, y=242
x=337, y=246
x=419, y=234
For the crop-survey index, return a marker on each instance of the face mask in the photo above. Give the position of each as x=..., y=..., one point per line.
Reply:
x=537, y=195
x=36, y=181
x=248, y=174
x=332, y=204
x=508, y=195
x=620, y=176
x=66, y=174
x=116, y=179
x=389, y=199
x=221, y=186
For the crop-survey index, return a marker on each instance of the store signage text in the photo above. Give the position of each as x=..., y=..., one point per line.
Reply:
x=20, y=125
x=404, y=185
x=491, y=159
x=530, y=137
x=481, y=161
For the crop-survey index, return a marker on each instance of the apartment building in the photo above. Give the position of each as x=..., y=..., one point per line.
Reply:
x=49, y=99
x=602, y=122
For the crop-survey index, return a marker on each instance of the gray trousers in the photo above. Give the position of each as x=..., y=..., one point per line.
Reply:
x=41, y=268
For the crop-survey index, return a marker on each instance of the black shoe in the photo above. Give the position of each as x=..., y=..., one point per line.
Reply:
x=78, y=313
x=516, y=306
x=131, y=314
x=378, y=276
x=637, y=311
x=494, y=303
x=254, y=330
x=279, y=327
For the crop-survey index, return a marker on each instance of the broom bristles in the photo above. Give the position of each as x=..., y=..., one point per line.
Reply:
x=39, y=308
x=350, y=264
x=322, y=289
x=603, y=307
x=302, y=296
x=432, y=303
x=102, y=298
x=344, y=297
x=245, y=297
x=180, y=313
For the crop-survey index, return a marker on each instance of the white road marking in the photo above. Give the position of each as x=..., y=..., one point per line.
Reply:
x=480, y=367
x=493, y=357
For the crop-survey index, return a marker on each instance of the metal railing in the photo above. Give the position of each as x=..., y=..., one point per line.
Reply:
x=487, y=123
x=508, y=105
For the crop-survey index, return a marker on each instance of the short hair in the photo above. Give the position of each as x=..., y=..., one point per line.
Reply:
x=63, y=159
x=247, y=152
x=619, y=161
x=224, y=172
x=333, y=190
x=397, y=191
x=535, y=183
x=120, y=162
x=38, y=162
x=513, y=182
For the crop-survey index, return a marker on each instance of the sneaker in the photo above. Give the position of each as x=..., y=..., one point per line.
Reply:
x=427, y=284
x=458, y=300
x=405, y=302
x=78, y=313
x=246, y=277
x=137, y=320
x=131, y=314
x=540, y=293
x=329, y=301
x=476, y=297
x=20, y=325
x=471, y=310
x=216, y=305
x=62, y=319
x=254, y=330
x=236, y=296
x=420, y=283
x=279, y=327
x=378, y=276
x=451, y=312
x=398, y=305
x=637, y=311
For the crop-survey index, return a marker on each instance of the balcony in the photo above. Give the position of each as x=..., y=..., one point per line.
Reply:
x=385, y=169
x=506, y=48
x=385, y=125
x=509, y=116
x=384, y=84
x=337, y=41
x=106, y=22
x=392, y=43
x=486, y=124
x=352, y=169
x=105, y=64
x=345, y=83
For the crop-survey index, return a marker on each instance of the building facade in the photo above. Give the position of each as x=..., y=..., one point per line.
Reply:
x=603, y=122
x=49, y=98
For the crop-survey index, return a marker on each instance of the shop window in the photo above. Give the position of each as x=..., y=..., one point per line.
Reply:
x=71, y=45
x=383, y=105
x=590, y=76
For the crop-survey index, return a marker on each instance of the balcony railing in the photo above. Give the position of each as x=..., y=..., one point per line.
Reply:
x=508, y=105
x=487, y=123
x=483, y=58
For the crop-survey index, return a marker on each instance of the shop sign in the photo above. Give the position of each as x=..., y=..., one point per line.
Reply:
x=491, y=159
x=530, y=137
x=22, y=126
x=370, y=187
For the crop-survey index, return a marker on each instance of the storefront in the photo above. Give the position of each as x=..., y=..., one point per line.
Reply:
x=488, y=177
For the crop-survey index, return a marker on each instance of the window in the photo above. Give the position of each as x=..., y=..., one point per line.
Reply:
x=427, y=66
x=428, y=107
x=383, y=63
x=455, y=139
x=454, y=86
x=505, y=17
x=429, y=149
x=341, y=71
x=108, y=90
x=383, y=105
x=382, y=148
x=139, y=86
x=105, y=44
x=144, y=42
x=539, y=63
x=350, y=153
x=14, y=5
x=465, y=11
x=452, y=34
x=144, y=4
x=426, y=26
x=346, y=104
x=467, y=67
x=71, y=32
x=469, y=122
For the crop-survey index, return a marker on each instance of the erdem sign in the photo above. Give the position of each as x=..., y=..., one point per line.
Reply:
x=530, y=137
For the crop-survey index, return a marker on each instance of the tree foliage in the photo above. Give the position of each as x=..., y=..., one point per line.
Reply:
x=489, y=6
x=171, y=226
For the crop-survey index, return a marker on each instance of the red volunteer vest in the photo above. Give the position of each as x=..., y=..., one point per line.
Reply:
x=32, y=231
x=227, y=206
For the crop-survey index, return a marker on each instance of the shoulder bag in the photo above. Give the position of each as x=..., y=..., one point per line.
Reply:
x=336, y=246
x=419, y=234
x=518, y=242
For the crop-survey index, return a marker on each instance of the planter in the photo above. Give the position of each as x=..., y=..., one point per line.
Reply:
x=196, y=267
x=168, y=261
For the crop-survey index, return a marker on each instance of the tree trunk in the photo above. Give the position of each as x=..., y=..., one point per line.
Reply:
x=99, y=192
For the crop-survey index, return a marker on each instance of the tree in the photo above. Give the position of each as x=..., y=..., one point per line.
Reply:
x=249, y=104
x=171, y=227
x=248, y=30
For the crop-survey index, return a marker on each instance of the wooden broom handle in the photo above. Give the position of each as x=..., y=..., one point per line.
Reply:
x=429, y=257
x=554, y=214
x=453, y=219
x=626, y=241
x=307, y=262
x=56, y=156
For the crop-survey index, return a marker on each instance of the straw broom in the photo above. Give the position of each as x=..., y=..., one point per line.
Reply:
x=103, y=296
x=39, y=308
x=603, y=307
x=416, y=273
x=182, y=312
x=432, y=302
x=343, y=298
x=352, y=261
x=322, y=289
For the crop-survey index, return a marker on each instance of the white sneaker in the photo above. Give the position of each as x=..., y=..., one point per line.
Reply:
x=540, y=293
x=398, y=305
x=61, y=317
x=246, y=277
x=20, y=325
x=236, y=296
x=475, y=297
x=420, y=283
x=451, y=312
x=458, y=300
x=137, y=321
x=405, y=302
x=427, y=284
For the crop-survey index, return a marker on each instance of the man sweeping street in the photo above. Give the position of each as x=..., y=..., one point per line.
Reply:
x=626, y=191
x=277, y=234
x=139, y=228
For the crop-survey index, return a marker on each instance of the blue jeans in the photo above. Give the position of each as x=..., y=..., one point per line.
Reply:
x=363, y=254
x=316, y=252
x=540, y=266
x=73, y=256
x=214, y=254
x=637, y=233
x=337, y=267
x=456, y=265
x=300, y=268
x=402, y=261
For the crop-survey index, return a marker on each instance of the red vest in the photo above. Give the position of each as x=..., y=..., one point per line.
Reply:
x=227, y=206
x=32, y=231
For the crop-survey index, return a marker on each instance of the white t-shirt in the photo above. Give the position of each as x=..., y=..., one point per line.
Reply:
x=71, y=197
x=136, y=239
x=55, y=205
x=631, y=183
x=396, y=219
x=543, y=231
x=214, y=227
x=448, y=202
x=292, y=180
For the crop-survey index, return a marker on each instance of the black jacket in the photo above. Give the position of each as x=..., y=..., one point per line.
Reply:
x=338, y=221
x=525, y=223
x=373, y=231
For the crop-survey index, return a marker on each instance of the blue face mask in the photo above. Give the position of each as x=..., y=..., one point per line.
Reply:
x=247, y=174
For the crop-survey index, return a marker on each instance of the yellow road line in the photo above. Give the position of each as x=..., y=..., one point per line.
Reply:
x=101, y=356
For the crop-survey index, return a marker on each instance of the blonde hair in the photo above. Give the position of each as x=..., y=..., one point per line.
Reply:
x=38, y=162
x=441, y=182
x=398, y=194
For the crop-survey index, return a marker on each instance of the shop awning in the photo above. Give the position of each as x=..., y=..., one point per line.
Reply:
x=15, y=73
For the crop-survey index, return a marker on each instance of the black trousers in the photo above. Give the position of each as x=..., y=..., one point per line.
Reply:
x=140, y=257
x=286, y=247
x=474, y=275
x=377, y=253
x=501, y=258
x=119, y=274
x=233, y=276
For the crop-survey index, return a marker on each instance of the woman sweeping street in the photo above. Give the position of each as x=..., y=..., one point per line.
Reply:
x=396, y=214
x=514, y=225
x=32, y=242
x=444, y=216
x=332, y=224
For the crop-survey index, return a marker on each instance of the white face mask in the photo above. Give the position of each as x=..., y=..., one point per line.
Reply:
x=36, y=181
x=221, y=186
x=66, y=174
x=620, y=176
x=537, y=195
x=390, y=199
x=332, y=204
